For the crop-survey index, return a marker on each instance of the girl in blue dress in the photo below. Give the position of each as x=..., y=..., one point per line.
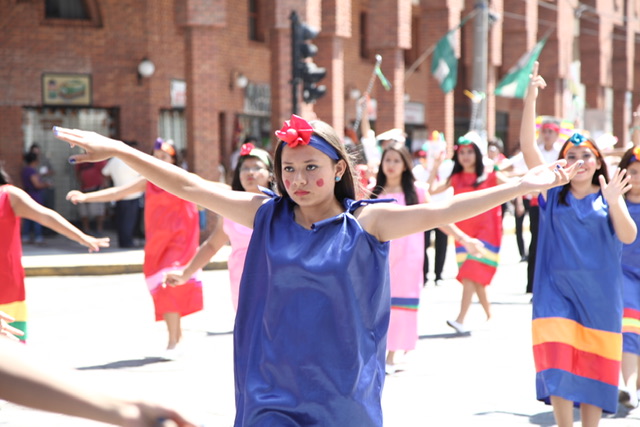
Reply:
x=577, y=306
x=630, y=390
x=311, y=326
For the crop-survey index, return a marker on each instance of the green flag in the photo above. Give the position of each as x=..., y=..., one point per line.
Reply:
x=385, y=83
x=444, y=64
x=515, y=83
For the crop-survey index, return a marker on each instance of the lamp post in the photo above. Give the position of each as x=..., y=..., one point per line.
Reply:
x=480, y=63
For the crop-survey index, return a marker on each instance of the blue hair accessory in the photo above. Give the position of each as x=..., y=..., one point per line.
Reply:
x=577, y=139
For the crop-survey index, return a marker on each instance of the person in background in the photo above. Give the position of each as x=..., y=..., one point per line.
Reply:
x=254, y=170
x=47, y=174
x=16, y=204
x=91, y=179
x=127, y=210
x=577, y=299
x=29, y=380
x=475, y=273
x=422, y=173
x=34, y=186
x=172, y=234
x=630, y=384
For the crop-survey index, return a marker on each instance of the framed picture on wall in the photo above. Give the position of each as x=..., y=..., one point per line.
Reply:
x=66, y=89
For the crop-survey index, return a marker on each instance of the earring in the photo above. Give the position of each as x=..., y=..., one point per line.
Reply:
x=338, y=178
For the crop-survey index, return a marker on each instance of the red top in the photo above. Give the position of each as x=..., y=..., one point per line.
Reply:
x=11, y=271
x=90, y=175
x=172, y=230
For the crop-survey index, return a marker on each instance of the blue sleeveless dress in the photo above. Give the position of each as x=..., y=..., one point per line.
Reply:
x=311, y=327
x=631, y=279
x=577, y=302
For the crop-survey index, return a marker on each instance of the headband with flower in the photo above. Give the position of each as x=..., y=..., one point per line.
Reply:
x=298, y=131
x=463, y=140
x=162, y=145
x=636, y=155
x=577, y=139
x=249, y=149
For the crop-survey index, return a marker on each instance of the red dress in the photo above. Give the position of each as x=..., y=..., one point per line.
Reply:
x=12, y=291
x=486, y=227
x=172, y=232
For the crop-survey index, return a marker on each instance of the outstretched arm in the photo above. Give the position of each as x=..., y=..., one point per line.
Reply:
x=532, y=155
x=471, y=244
x=388, y=221
x=111, y=194
x=24, y=206
x=29, y=382
x=205, y=252
x=239, y=206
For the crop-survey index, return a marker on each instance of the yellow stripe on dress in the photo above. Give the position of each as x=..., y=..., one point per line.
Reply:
x=17, y=310
x=558, y=329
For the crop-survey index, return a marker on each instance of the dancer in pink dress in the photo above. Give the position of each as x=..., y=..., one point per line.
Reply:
x=254, y=170
x=395, y=180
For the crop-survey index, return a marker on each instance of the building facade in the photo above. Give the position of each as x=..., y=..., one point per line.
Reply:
x=207, y=73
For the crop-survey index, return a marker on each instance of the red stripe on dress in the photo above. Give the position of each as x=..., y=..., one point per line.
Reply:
x=630, y=313
x=555, y=355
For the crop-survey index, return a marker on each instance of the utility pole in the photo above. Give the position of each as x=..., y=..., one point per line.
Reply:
x=480, y=64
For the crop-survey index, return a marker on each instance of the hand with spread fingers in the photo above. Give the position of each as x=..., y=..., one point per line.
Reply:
x=97, y=147
x=616, y=187
x=545, y=176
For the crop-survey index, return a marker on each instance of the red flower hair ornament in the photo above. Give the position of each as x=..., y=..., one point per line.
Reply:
x=297, y=131
x=245, y=150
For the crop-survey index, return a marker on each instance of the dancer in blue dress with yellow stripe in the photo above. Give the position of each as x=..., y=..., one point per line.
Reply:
x=313, y=312
x=577, y=305
x=630, y=387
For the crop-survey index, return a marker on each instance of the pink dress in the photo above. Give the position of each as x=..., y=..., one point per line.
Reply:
x=239, y=236
x=406, y=256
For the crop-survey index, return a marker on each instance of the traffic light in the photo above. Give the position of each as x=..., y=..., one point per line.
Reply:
x=303, y=68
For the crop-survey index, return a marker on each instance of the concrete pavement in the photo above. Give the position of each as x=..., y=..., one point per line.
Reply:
x=103, y=327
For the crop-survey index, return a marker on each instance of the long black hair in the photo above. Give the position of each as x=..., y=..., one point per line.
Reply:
x=479, y=168
x=407, y=179
x=602, y=170
x=236, y=184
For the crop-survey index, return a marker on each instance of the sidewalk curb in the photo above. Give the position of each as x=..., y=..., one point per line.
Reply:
x=100, y=270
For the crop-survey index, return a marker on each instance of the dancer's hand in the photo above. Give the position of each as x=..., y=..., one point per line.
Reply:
x=473, y=247
x=75, y=197
x=175, y=278
x=146, y=414
x=96, y=146
x=617, y=186
x=6, y=330
x=536, y=81
x=95, y=243
x=543, y=177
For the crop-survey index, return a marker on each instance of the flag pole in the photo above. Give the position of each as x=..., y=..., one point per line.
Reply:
x=360, y=101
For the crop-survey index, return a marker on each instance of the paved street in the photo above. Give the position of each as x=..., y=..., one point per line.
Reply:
x=103, y=326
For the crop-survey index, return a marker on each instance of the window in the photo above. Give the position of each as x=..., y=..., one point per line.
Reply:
x=72, y=13
x=66, y=9
x=256, y=21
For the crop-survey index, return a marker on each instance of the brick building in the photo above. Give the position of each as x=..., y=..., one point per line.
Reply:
x=222, y=69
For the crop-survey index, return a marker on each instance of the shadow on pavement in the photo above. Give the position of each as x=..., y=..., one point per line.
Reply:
x=449, y=335
x=132, y=363
x=216, y=334
x=543, y=419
